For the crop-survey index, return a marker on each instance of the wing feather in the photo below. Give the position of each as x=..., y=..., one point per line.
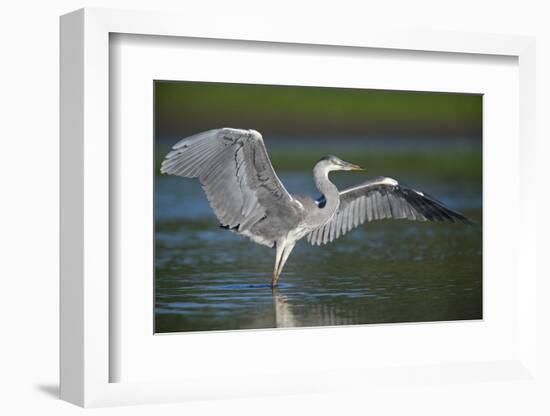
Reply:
x=238, y=179
x=379, y=199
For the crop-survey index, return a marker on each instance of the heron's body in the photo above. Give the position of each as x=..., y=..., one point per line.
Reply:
x=248, y=198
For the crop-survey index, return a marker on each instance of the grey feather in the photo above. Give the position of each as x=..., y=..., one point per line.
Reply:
x=239, y=181
x=383, y=198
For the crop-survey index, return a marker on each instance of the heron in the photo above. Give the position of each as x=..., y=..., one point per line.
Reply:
x=249, y=199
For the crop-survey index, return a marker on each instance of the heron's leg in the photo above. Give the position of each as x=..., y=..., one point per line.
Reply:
x=285, y=252
x=279, y=246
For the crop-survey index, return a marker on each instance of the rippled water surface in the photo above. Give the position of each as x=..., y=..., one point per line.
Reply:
x=208, y=278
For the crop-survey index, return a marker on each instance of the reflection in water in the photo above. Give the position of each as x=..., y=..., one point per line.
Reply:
x=283, y=314
x=328, y=314
x=389, y=271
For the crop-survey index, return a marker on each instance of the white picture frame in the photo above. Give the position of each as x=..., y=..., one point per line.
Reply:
x=85, y=212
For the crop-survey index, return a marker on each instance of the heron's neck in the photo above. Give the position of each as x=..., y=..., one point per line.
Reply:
x=327, y=188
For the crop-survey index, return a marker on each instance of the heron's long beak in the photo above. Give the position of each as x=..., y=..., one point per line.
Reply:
x=351, y=166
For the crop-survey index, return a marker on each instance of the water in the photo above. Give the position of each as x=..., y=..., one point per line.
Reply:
x=208, y=278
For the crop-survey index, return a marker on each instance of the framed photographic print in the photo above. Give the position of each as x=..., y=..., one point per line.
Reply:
x=382, y=272
x=243, y=214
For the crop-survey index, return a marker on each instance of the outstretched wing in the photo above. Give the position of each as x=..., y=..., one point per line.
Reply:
x=379, y=199
x=237, y=176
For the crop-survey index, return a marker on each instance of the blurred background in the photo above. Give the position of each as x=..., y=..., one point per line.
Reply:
x=207, y=278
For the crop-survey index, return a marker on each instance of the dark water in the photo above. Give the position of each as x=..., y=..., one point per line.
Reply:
x=208, y=278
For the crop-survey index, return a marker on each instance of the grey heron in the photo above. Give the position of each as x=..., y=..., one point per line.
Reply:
x=248, y=198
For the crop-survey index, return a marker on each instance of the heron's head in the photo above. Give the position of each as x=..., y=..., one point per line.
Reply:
x=330, y=163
